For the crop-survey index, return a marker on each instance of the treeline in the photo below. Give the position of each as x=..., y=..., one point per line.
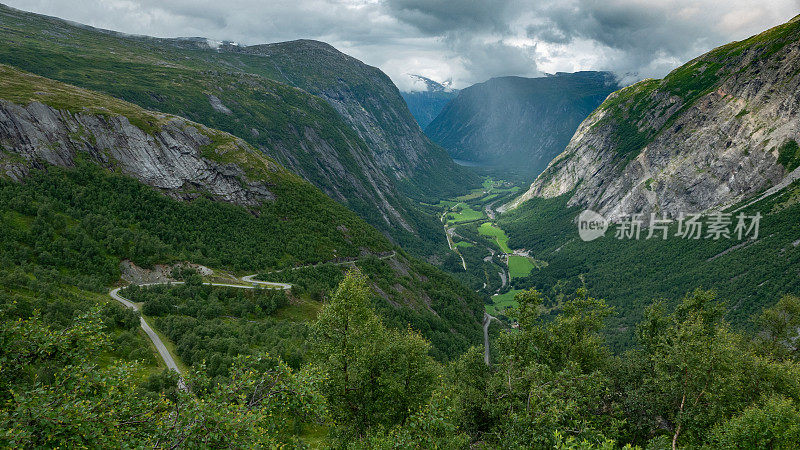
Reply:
x=690, y=381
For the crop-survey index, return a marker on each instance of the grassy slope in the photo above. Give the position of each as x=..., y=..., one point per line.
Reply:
x=501, y=302
x=519, y=266
x=489, y=229
x=463, y=213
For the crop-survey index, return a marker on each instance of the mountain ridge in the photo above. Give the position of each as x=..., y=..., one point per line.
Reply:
x=426, y=104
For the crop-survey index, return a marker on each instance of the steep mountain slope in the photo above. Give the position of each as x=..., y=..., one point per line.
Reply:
x=426, y=104
x=367, y=100
x=715, y=130
x=519, y=123
x=77, y=172
x=233, y=91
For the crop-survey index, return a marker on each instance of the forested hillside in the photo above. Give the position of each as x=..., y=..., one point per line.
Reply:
x=73, y=205
x=747, y=274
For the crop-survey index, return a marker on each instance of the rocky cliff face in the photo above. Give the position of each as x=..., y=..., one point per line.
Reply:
x=181, y=158
x=518, y=123
x=719, y=129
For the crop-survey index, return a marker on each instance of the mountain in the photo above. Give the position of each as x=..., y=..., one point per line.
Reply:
x=88, y=181
x=426, y=104
x=367, y=100
x=519, y=123
x=718, y=134
x=719, y=129
x=335, y=121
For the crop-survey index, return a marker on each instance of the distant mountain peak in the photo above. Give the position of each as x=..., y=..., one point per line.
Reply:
x=433, y=86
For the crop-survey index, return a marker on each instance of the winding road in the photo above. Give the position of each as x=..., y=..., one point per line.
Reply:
x=449, y=234
x=158, y=343
x=169, y=360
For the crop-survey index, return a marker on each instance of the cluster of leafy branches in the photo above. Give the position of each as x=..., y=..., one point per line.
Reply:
x=54, y=394
x=689, y=382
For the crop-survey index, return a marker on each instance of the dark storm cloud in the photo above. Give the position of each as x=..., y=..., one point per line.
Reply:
x=437, y=16
x=466, y=41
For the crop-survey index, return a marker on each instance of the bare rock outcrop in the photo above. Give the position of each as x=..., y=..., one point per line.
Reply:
x=172, y=158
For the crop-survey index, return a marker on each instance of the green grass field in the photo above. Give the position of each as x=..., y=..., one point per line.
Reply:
x=474, y=194
x=465, y=214
x=490, y=229
x=464, y=244
x=447, y=203
x=519, y=266
x=502, y=302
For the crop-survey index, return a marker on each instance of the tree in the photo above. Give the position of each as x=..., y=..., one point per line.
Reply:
x=549, y=375
x=772, y=424
x=692, y=371
x=780, y=329
x=373, y=376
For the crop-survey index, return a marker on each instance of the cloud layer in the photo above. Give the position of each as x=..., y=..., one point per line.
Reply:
x=464, y=41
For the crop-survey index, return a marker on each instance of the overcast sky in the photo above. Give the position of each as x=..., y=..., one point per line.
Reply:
x=463, y=41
